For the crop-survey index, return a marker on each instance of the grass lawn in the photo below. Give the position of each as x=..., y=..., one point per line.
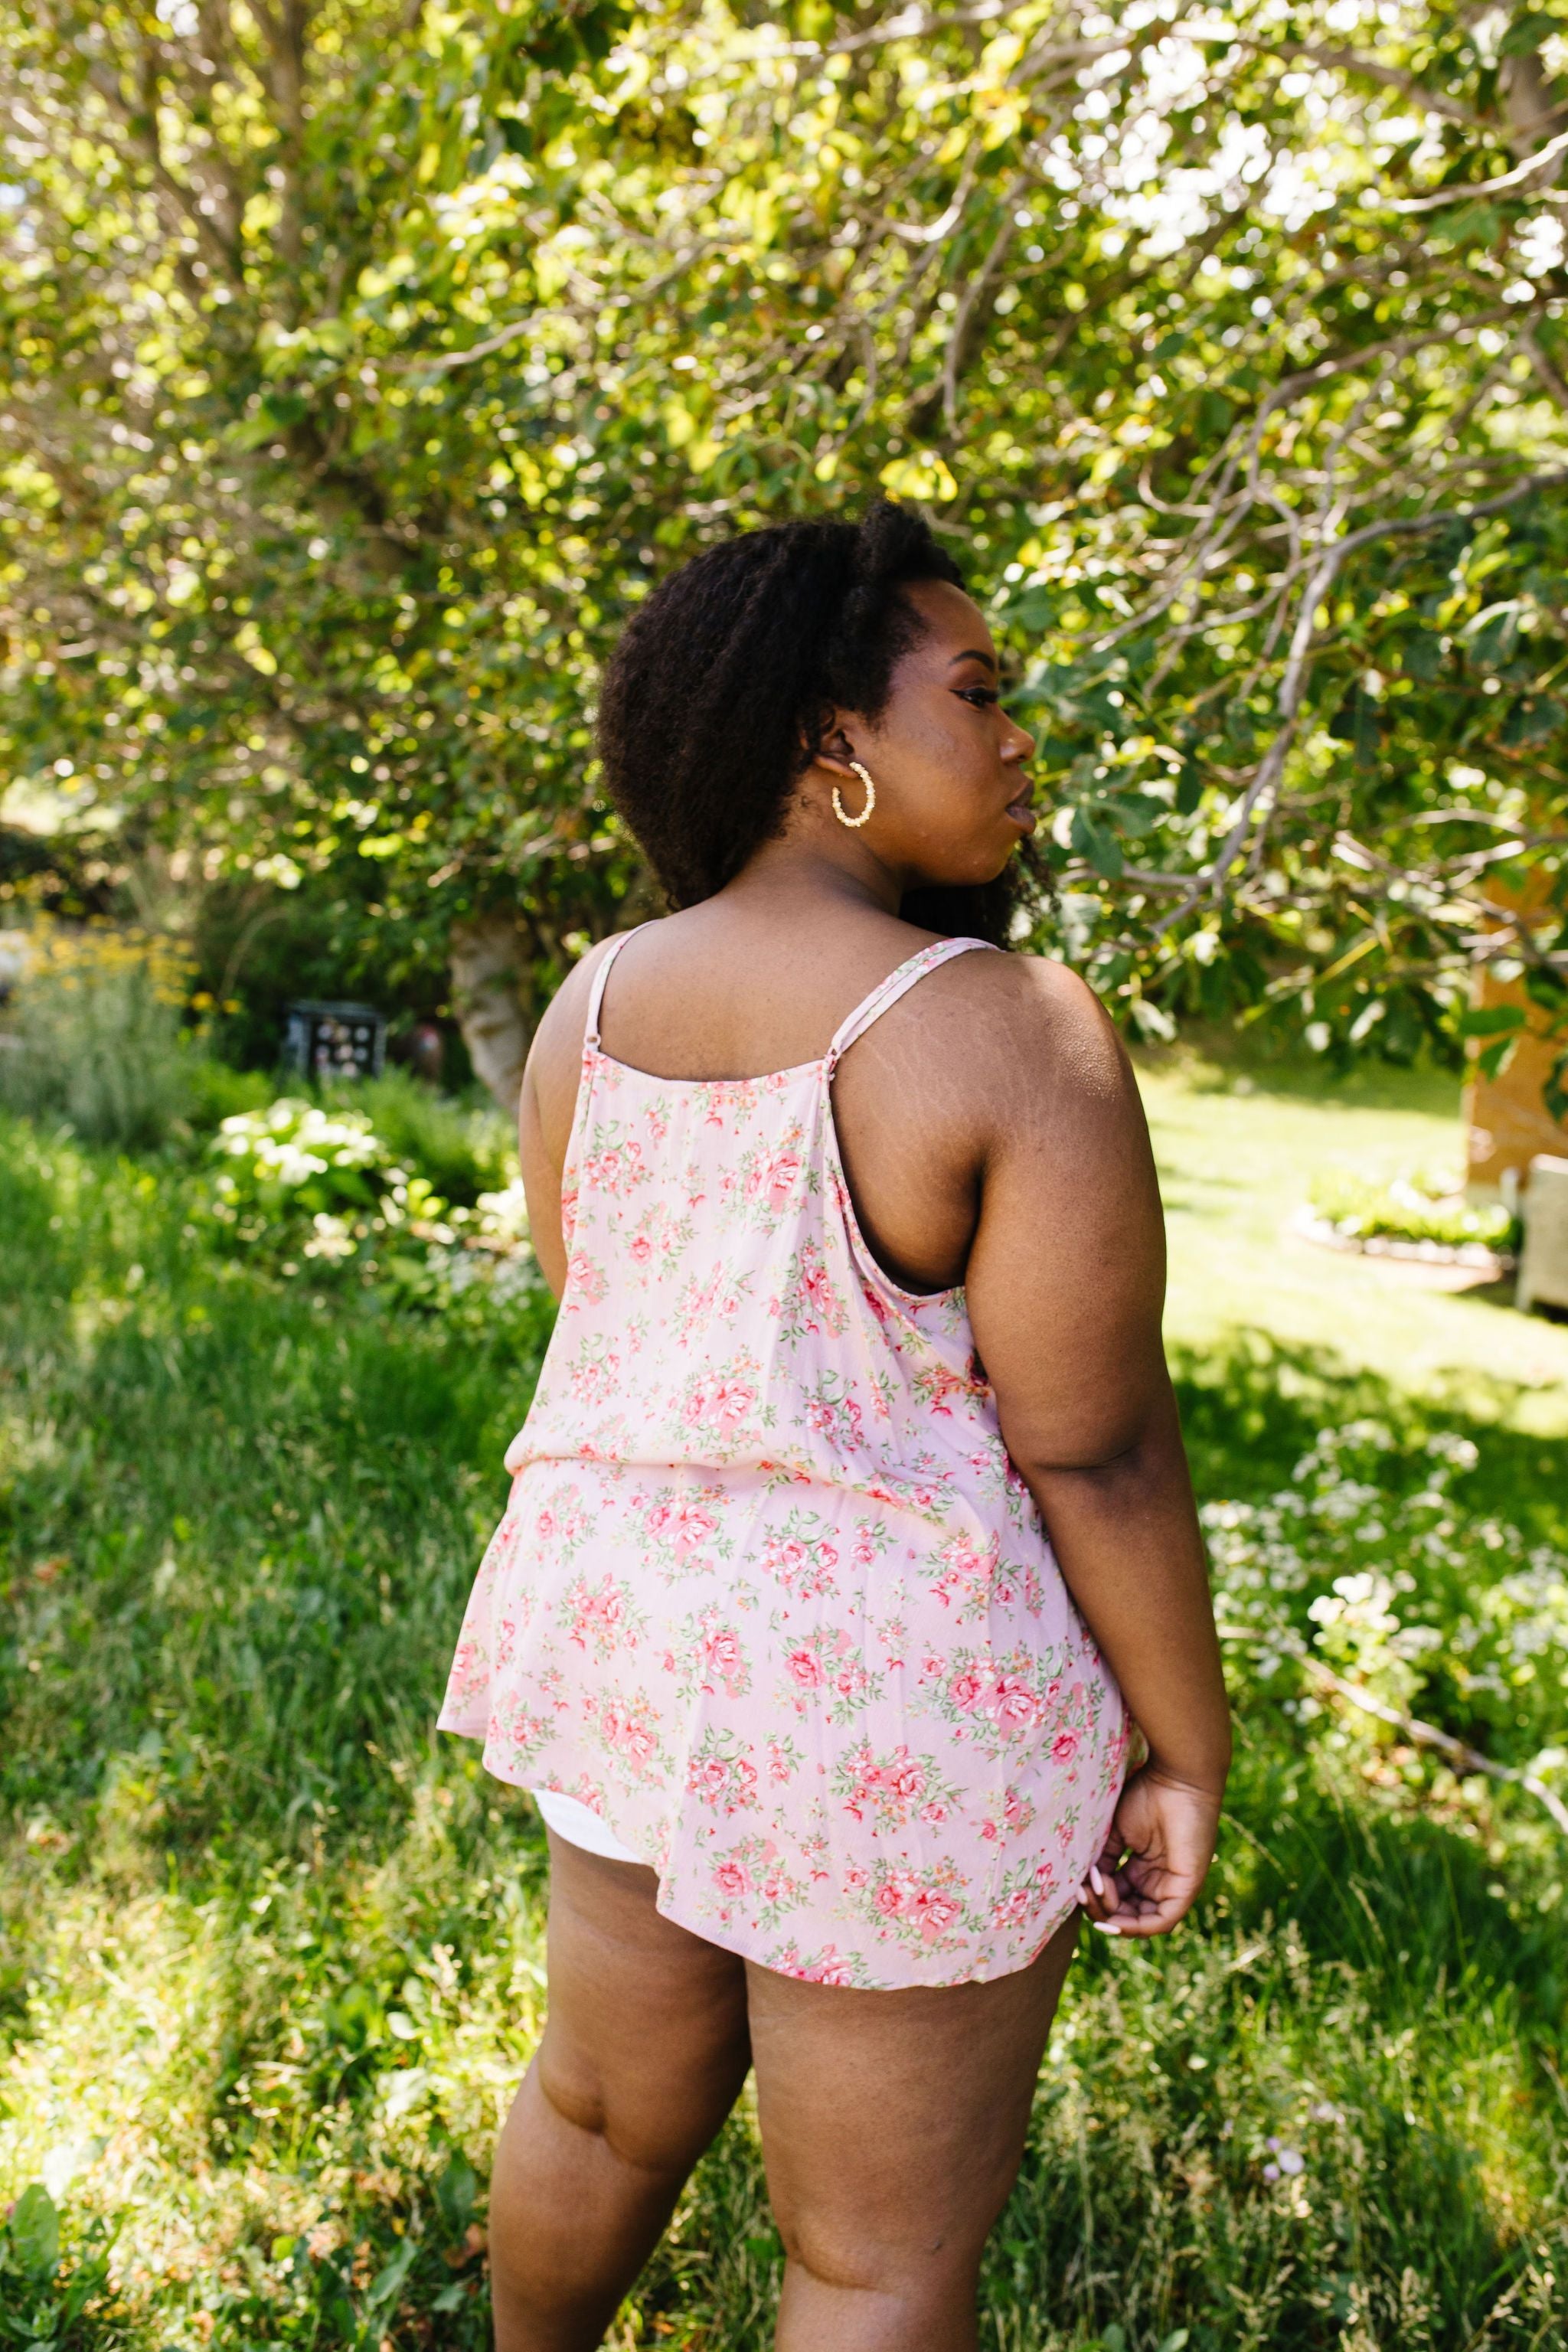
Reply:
x=270, y=1952
x=1234, y=1167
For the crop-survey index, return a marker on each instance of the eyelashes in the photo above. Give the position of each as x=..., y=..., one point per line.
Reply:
x=981, y=696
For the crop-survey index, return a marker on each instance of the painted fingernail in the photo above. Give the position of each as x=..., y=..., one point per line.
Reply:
x=1095, y=1880
x=1085, y=1898
x=1106, y=1927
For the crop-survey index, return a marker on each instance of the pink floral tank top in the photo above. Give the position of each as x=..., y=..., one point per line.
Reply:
x=769, y=1596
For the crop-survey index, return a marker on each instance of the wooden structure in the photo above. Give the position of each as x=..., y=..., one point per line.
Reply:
x=1543, y=1267
x=1506, y=1116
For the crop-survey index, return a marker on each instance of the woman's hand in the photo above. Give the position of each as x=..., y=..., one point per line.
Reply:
x=1156, y=1855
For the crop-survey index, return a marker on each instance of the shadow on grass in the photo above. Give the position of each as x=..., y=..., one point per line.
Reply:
x=240, y=1525
x=1251, y=1408
x=1213, y=1061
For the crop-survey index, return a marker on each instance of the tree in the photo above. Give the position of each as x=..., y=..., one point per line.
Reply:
x=363, y=364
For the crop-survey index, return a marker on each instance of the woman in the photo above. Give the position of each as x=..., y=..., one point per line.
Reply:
x=856, y=1232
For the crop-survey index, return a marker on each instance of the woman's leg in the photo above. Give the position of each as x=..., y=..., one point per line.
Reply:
x=643, y=2054
x=892, y=2129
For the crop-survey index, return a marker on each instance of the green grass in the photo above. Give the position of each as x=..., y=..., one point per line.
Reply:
x=270, y=1952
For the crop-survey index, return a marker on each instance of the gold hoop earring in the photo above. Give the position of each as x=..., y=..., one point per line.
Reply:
x=854, y=823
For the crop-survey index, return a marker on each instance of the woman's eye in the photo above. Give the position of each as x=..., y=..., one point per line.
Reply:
x=981, y=696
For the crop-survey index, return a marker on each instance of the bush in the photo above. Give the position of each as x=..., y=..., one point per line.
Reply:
x=464, y=1148
x=306, y=1182
x=300, y=1177
x=95, y=1036
x=216, y=1092
x=1414, y=1208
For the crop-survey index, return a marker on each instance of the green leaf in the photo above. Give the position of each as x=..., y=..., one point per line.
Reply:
x=454, y=2193
x=1554, y=1094
x=1493, y=634
x=1490, y=1020
x=1533, y=722
x=1477, y=224
x=35, y=2230
x=1136, y=813
x=1095, y=843
x=388, y=2284
x=1494, y=1059
x=1421, y=655
x=1526, y=33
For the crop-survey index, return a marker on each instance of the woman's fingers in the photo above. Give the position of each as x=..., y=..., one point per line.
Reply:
x=1100, y=1894
x=1155, y=1856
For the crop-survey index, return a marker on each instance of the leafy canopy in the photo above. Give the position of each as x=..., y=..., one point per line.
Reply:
x=363, y=364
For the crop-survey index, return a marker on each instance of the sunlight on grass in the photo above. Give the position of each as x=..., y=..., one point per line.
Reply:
x=272, y=1954
x=1238, y=1144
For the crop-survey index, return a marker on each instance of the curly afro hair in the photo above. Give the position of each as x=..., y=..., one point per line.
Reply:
x=714, y=702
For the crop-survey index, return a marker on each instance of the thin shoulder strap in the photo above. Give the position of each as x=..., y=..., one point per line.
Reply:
x=597, y=996
x=871, y=1008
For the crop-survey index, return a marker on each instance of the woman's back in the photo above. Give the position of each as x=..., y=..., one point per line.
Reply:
x=770, y=1599
x=729, y=990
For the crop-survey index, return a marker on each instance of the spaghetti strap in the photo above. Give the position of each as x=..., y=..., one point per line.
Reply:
x=596, y=998
x=871, y=1008
x=768, y=1600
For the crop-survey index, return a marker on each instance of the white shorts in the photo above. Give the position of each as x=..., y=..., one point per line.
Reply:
x=572, y=1820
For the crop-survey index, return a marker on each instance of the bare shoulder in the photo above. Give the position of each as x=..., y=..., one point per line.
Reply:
x=565, y=1016
x=555, y=1056
x=1033, y=1037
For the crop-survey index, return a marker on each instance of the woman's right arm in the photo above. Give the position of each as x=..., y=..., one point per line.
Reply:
x=545, y=1109
x=1065, y=1287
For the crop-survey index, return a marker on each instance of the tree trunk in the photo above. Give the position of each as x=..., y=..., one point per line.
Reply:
x=492, y=996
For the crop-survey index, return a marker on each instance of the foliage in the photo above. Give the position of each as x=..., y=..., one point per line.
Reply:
x=302, y=1188
x=216, y=1091
x=258, y=947
x=39, y=2304
x=97, y=1024
x=1226, y=350
x=1414, y=1208
x=271, y=1955
x=1468, y=1626
x=301, y=1176
x=464, y=1148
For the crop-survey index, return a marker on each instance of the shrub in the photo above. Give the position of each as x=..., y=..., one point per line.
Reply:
x=1416, y=1208
x=300, y=1177
x=301, y=1181
x=216, y=1092
x=95, y=1035
x=464, y=1148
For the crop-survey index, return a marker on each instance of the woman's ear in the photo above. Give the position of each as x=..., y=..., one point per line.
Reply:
x=835, y=750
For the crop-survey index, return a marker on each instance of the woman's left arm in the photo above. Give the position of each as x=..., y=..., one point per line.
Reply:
x=1065, y=1286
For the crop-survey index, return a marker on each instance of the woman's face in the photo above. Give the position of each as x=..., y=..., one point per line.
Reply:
x=952, y=793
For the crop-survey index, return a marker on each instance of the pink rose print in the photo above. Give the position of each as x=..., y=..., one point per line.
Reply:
x=773, y=1178
x=769, y=1593
x=1012, y=1703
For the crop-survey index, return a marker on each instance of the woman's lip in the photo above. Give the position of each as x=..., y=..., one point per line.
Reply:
x=1023, y=815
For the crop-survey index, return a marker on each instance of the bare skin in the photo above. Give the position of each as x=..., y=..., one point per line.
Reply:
x=992, y=1135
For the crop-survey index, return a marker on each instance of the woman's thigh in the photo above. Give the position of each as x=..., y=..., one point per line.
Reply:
x=645, y=2039
x=893, y=2123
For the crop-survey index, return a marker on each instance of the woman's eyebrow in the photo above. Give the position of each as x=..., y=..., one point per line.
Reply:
x=973, y=653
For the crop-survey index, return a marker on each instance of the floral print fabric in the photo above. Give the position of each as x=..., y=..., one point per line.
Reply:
x=769, y=1596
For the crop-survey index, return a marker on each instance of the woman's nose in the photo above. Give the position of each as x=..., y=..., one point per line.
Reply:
x=1019, y=743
